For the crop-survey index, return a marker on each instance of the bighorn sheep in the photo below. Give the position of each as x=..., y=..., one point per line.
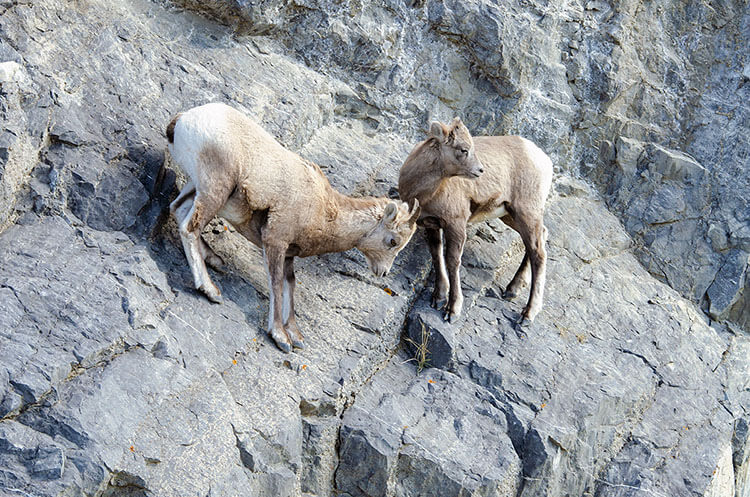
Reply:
x=504, y=176
x=277, y=200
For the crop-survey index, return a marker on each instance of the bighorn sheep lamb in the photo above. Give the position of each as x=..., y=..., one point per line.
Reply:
x=277, y=200
x=458, y=180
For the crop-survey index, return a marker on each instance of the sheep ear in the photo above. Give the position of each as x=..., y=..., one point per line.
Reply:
x=437, y=130
x=391, y=211
x=456, y=122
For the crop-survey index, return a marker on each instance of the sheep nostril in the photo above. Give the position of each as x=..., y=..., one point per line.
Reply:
x=481, y=170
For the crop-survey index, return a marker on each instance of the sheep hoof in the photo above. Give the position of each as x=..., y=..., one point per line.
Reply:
x=213, y=294
x=281, y=339
x=437, y=302
x=451, y=316
x=509, y=294
x=284, y=347
x=453, y=310
x=216, y=263
x=522, y=325
x=295, y=337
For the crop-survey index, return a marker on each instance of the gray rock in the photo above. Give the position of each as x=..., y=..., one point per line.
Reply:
x=730, y=284
x=628, y=155
x=676, y=166
x=428, y=333
x=18, y=148
x=433, y=435
x=538, y=379
x=48, y=463
x=105, y=201
x=665, y=206
x=10, y=72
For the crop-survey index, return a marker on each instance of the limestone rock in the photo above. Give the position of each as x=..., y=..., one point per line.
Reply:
x=431, y=340
x=434, y=435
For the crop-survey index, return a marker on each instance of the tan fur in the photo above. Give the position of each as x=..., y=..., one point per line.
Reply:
x=282, y=203
x=514, y=186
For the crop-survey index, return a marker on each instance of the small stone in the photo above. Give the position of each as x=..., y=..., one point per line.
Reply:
x=675, y=165
x=10, y=72
x=628, y=153
x=718, y=237
x=49, y=463
x=728, y=284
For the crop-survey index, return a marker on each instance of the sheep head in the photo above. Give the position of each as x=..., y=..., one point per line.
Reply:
x=390, y=235
x=456, y=148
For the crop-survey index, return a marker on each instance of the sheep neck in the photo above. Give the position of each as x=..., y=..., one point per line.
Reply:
x=422, y=174
x=356, y=218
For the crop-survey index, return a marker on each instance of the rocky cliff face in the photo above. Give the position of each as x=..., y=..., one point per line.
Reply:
x=119, y=379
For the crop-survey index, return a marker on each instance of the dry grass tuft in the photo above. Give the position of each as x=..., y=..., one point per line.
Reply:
x=420, y=357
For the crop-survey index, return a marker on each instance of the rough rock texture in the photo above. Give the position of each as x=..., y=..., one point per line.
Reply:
x=585, y=366
x=118, y=379
x=661, y=89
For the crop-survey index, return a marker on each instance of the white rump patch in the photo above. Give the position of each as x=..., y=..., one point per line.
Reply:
x=196, y=128
x=542, y=163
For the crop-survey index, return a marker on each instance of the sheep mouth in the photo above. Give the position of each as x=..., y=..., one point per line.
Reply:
x=380, y=272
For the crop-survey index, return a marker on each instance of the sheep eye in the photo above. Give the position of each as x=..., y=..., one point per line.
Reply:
x=393, y=242
x=464, y=152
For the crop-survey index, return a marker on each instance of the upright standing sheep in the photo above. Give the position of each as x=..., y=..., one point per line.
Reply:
x=277, y=200
x=457, y=180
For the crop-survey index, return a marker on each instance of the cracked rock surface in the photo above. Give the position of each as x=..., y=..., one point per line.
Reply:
x=117, y=378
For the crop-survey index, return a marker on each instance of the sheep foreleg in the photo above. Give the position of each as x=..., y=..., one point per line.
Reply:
x=290, y=321
x=455, y=237
x=274, y=258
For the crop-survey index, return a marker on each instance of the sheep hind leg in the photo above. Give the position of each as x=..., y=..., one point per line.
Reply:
x=203, y=209
x=440, y=291
x=187, y=191
x=290, y=320
x=180, y=209
x=212, y=258
x=521, y=278
x=534, y=235
x=191, y=246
